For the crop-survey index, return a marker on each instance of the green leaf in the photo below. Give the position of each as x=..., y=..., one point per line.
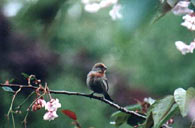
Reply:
x=160, y=112
x=131, y=108
x=135, y=120
x=173, y=111
x=183, y=98
x=149, y=121
x=7, y=89
x=120, y=120
x=190, y=94
x=10, y=81
x=121, y=117
x=161, y=109
x=180, y=99
x=25, y=75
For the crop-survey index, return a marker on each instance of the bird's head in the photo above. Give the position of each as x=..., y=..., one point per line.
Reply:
x=99, y=67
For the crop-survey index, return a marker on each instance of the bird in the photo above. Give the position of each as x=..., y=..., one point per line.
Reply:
x=97, y=80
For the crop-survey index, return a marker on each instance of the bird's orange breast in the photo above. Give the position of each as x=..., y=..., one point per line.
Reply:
x=97, y=74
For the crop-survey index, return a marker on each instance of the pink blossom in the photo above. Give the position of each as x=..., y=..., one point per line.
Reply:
x=42, y=102
x=182, y=8
x=50, y=115
x=191, y=109
x=106, y=3
x=39, y=103
x=189, y=21
x=184, y=48
x=115, y=12
x=52, y=105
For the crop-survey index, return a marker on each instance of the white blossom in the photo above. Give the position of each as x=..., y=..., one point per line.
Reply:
x=182, y=8
x=149, y=100
x=183, y=48
x=92, y=8
x=113, y=123
x=106, y=3
x=50, y=115
x=115, y=12
x=189, y=21
x=52, y=105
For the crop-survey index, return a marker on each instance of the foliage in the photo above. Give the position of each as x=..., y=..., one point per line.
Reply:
x=161, y=111
x=58, y=41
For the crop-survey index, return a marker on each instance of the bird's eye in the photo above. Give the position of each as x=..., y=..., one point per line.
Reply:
x=102, y=67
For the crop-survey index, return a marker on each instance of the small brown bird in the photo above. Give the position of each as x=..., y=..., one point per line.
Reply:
x=97, y=81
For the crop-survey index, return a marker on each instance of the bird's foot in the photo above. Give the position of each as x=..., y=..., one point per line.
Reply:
x=91, y=95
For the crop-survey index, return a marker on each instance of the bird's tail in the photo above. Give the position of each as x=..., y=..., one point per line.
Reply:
x=107, y=97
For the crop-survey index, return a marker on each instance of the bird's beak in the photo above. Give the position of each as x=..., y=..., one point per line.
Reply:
x=105, y=68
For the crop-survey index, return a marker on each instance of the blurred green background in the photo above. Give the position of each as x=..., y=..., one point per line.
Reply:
x=59, y=42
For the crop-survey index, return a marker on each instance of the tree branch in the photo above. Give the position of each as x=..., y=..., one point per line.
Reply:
x=122, y=109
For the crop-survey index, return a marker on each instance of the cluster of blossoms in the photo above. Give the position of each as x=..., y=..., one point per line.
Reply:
x=189, y=23
x=51, y=107
x=93, y=7
x=182, y=8
x=40, y=103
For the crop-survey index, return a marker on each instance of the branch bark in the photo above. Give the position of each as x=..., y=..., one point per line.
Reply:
x=120, y=108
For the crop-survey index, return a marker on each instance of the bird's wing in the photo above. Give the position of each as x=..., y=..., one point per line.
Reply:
x=105, y=82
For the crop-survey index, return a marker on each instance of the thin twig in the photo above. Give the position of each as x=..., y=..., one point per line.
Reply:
x=11, y=106
x=25, y=119
x=122, y=109
x=20, y=105
x=47, y=90
x=13, y=121
x=28, y=109
x=29, y=79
